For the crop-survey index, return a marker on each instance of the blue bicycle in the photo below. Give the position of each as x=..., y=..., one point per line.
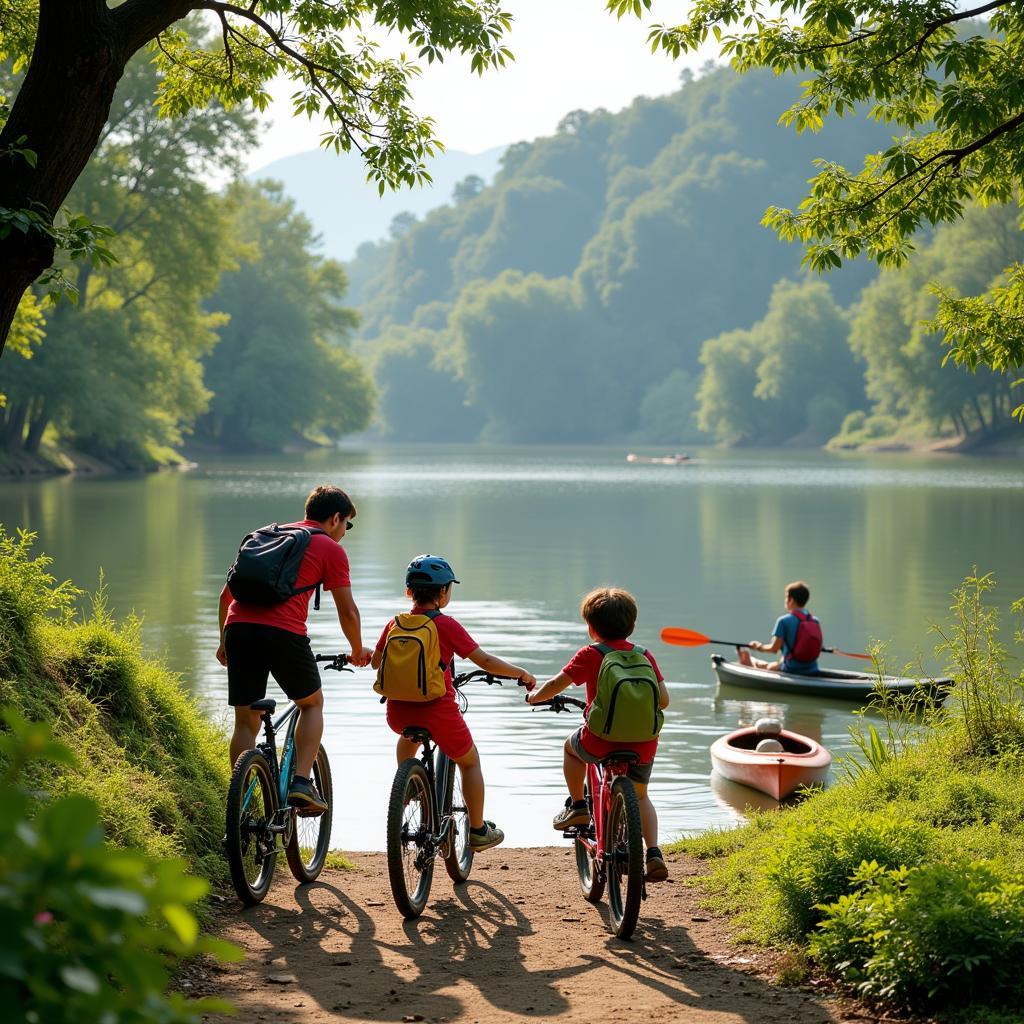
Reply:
x=260, y=821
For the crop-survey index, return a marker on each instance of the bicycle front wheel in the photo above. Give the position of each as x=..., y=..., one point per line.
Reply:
x=588, y=861
x=624, y=858
x=250, y=845
x=410, y=838
x=458, y=858
x=311, y=835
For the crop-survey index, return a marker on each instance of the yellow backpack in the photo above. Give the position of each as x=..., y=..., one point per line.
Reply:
x=411, y=667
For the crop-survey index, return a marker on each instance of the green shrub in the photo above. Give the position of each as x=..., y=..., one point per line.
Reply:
x=88, y=934
x=935, y=935
x=853, y=422
x=820, y=860
x=880, y=425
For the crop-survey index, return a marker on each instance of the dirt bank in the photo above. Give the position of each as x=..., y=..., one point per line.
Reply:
x=517, y=942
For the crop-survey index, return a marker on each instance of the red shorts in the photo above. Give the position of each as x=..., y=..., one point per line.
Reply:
x=442, y=717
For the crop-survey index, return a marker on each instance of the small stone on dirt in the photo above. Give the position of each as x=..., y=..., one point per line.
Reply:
x=281, y=979
x=409, y=1018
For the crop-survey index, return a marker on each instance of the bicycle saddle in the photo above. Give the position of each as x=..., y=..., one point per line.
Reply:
x=415, y=732
x=267, y=704
x=621, y=757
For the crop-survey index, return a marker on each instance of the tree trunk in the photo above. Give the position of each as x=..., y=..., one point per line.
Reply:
x=979, y=413
x=80, y=53
x=39, y=422
x=14, y=427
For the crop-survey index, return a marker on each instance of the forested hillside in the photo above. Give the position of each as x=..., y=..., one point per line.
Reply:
x=615, y=282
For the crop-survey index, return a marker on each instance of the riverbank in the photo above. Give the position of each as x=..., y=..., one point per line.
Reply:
x=516, y=942
x=53, y=460
x=904, y=881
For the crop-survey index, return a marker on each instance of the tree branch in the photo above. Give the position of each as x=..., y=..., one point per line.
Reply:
x=951, y=158
x=930, y=28
x=140, y=21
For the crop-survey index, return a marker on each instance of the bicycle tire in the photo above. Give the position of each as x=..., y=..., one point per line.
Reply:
x=589, y=866
x=251, y=850
x=311, y=836
x=458, y=860
x=624, y=858
x=409, y=867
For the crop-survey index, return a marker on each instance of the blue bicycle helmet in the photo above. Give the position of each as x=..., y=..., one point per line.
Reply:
x=429, y=569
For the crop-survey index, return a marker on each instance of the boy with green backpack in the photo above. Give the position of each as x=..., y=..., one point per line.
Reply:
x=626, y=697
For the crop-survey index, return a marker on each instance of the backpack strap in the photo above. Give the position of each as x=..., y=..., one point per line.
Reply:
x=432, y=614
x=602, y=649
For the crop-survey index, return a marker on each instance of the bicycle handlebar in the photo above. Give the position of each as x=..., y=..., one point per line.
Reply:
x=558, y=703
x=465, y=677
x=338, y=662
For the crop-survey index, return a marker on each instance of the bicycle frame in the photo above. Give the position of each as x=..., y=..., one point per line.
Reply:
x=432, y=843
x=599, y=784
x=282, y=772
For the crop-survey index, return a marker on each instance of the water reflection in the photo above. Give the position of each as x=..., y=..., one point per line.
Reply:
x=882, y=540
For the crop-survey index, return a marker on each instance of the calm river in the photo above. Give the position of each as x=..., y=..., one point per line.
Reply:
x=881, y=539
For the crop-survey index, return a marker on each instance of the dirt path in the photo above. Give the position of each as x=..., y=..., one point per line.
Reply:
x=517, y=942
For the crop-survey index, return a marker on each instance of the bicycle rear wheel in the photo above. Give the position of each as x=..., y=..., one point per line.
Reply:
x=410, y=838
x=588, y=861
x=311, y=835
x=250, y=845
x=458, y=858
x=624, y=860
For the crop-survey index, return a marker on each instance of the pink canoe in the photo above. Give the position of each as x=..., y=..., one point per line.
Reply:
x=801, y=762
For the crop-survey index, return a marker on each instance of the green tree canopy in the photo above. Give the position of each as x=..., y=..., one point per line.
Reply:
x=282, y=368
x=893, y=332
x=120, y=374
x=328, y=49
x=951, y=86
x=791, y=374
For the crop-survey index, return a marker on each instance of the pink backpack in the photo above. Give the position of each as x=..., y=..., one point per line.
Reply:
x=808, y=643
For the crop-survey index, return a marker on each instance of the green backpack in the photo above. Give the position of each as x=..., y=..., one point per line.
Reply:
x=627, y=705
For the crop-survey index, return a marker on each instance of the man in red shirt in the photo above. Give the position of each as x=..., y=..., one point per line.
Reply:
x=258, y=640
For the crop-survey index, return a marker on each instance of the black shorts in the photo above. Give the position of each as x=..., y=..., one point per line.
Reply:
x=254, y=652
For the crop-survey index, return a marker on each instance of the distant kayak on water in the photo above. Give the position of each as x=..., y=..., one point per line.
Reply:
x=679, y=458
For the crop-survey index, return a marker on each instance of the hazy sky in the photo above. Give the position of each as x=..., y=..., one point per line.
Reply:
x=570, y=54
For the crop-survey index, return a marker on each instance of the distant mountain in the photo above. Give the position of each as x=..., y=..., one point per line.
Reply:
x=331, y=189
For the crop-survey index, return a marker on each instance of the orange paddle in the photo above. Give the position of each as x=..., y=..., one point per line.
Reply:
x=691, y=638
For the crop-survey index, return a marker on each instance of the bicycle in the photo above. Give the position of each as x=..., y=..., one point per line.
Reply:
x=610, y=850
x=260, y=821
x=420, y=825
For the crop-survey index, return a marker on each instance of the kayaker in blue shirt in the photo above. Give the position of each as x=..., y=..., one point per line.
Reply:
x=797, y=634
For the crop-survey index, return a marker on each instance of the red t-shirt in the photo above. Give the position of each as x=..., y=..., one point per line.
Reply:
x=453, y=639
x=323, y=562
x=583, y=669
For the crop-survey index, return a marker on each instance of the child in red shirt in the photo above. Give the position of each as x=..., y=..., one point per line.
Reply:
x=429, y=580
x=610, y=615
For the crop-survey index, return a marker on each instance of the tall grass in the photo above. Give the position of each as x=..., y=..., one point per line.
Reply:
x=156, y=767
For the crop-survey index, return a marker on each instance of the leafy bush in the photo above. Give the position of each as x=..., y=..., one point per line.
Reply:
x=88, y=933
x=853, y=422
x=937, y=935
x=820, y=860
